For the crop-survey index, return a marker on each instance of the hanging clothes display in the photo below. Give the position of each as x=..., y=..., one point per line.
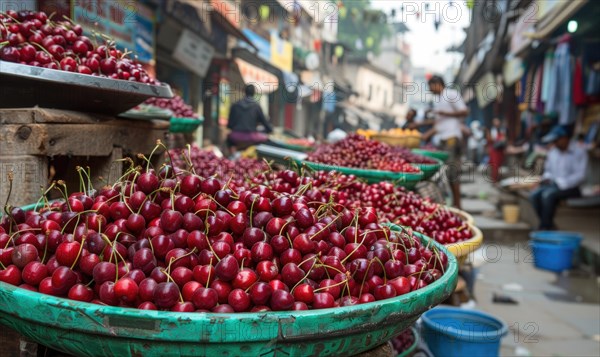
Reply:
x=522, y=85
x=536, y=102
x=591, y=67
x=560, y=96
x=529, y=85
x=593, y=83
x=547, y=77
x=579, y=96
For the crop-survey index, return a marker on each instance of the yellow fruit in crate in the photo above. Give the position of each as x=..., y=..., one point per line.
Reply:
x=366, y=132
x=250, y=153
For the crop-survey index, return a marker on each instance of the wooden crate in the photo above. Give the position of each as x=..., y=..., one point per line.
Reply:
x=33, y=141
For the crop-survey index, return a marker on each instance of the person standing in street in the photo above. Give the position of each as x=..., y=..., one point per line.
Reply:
x=476, y=142
x=449, y=111
x=564, y=172
x=496, y=139
x=244, y=118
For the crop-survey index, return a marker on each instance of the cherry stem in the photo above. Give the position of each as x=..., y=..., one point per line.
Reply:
x=78, y=216
x=283, y=227
x=187, y=158
x=45, y=250
x=331, y=286
x=324, y=228
x=220, y=205
x=10, y=177
x=18, y=232
x=43, y=49
x=173, y=260
x=383, y=268
x=308, y=272
x=158, y=144
x=82, y=187
x=115, y=252
x=208, y=277
x=64, y=193
x=252, y=211
x=429, y=216
x=78, y=254
x=211, y=248
x=364, y=278
x=68, y=19
x=122, y=178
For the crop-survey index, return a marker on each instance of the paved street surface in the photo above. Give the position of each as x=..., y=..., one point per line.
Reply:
x=555, y=315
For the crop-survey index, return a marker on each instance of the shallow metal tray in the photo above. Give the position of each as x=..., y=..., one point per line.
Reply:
x=23, y=86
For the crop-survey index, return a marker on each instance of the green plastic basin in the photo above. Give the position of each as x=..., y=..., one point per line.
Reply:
x=85, y=329
x=440, y=155
x=293, y=147
x=429, y=169
x=405, y=179
x=184, y=125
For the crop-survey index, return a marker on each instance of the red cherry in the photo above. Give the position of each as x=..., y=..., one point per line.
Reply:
x=126, y=289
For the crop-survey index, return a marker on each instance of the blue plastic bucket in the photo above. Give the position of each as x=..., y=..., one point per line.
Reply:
x=552, y=256
x=450, y=331
x=557, y=237
x=572, y=239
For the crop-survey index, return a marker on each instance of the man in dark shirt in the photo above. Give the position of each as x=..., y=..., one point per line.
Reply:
x=244, y=117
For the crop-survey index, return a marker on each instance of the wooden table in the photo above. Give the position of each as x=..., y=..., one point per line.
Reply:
x=37, y=143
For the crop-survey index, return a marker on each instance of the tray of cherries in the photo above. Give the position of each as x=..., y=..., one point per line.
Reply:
x=52, y=64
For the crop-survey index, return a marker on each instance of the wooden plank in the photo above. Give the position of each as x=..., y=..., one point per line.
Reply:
x=42, y=115
x=79, y=140
x=113, y=169
x=56, y=116
x=30, y=175
x=16, y=116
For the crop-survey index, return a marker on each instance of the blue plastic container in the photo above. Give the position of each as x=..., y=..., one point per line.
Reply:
x=552, y=256
x=557, y=237
x=572, y=239
x=450, y=331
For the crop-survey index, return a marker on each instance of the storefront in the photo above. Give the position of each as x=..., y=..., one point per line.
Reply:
x=559, y=80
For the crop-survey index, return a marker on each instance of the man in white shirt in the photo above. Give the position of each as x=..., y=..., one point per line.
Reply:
x=564, y=172
x=449, y=112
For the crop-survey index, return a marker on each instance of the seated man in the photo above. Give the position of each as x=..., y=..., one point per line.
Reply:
x=564, y=171
x=244, y=118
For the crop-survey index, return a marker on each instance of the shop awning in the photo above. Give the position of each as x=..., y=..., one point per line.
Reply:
x=226, y=13
x=528, y=29
x=187, y=13
x=372, y=120
x=556, y=17
x=265, y=81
